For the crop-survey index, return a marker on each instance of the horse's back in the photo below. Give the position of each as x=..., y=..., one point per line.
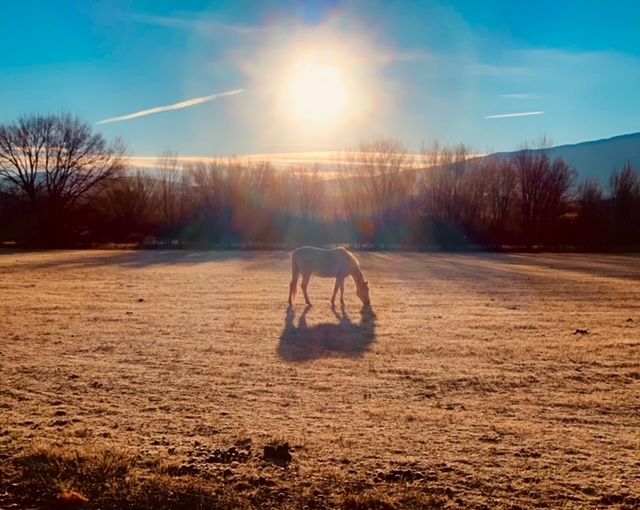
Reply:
x=326, y=263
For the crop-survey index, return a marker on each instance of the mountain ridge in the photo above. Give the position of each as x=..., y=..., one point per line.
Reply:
x=596, y=159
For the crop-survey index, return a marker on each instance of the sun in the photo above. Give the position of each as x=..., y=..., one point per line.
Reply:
x=318, y=93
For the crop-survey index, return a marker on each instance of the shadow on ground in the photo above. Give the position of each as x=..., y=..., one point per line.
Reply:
x=301, y=342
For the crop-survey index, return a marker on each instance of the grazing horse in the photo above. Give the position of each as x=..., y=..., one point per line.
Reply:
x=337, y=263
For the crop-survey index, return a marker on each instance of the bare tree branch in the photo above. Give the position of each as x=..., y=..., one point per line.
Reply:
x=55, y=162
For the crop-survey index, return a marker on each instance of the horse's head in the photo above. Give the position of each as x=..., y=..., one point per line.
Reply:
x=362, y=291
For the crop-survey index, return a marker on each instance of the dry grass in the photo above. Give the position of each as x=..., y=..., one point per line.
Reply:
x=155, y=379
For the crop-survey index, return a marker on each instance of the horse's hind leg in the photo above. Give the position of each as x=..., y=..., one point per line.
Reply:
x=304, y=285
x=292, y=292
x=293, y=288
x=338, y=285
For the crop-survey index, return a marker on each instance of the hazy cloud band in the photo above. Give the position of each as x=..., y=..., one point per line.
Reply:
x=510, y=115
x=176, y=106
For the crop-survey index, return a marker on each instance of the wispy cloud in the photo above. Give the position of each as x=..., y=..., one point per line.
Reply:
x=520, y=96
x=176, y=106
x=510, y=115
x=324, y=160
x=407, y=56
x=204, y=27
x=498, y=70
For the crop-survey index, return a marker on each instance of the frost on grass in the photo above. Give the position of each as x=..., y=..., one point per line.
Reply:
x=464, y=385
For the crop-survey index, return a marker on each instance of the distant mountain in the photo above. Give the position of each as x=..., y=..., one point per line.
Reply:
x=597, y=159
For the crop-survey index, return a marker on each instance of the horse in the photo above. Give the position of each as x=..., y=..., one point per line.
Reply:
x=336, y=263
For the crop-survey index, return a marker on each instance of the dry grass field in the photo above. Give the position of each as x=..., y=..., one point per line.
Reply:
x=156, y=380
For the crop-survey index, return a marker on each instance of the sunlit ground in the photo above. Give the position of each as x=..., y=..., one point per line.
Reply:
x=498, y=380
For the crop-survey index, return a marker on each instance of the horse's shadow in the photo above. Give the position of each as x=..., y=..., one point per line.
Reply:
x=345, y=338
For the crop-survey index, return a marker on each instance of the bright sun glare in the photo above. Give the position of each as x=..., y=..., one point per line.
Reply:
x=318, y=93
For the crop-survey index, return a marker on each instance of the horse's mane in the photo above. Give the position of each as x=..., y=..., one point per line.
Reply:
x=357, y=272
x=351, y=256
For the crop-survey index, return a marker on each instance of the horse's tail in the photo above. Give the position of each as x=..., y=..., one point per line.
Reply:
x=293, y=286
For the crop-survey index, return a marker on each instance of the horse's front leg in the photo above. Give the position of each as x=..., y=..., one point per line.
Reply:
x=304, y=285
x=338, y=285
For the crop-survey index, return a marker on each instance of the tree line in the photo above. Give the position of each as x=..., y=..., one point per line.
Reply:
x=61, y=184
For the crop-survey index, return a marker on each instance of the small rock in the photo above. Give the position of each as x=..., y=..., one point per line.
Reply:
x=282, y=452
x=279, y=453
x=392, y=476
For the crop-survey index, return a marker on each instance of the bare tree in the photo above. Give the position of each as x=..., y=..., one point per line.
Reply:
x=309, y=205
x=443, y=180
x=210, y=219
x=624, y=187
x=237, y=203
x=310, y=189
x=281, y=202
x=258, y=206
x=129, y=206
x=55, y=163
x=375, y=180
x=448, y=182
x=453, y=189
x=590, y=217
x=543, y=191
x=173, y=195
x=351, y=195
x=501, y=184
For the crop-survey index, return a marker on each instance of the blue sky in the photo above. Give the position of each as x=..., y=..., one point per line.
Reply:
x=457, y=71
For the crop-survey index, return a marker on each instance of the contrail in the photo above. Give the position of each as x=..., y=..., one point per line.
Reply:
x=509, y=115
x=177, y=106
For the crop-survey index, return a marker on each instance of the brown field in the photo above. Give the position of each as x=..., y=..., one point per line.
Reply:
x=475, y=381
